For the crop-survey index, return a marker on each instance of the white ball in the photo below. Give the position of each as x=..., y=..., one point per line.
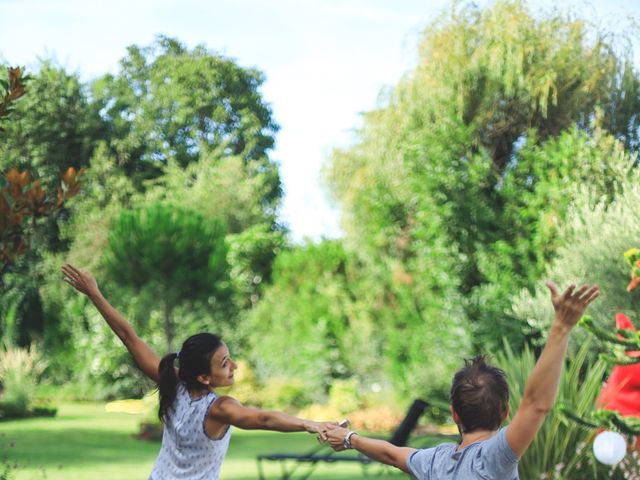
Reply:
x=609, y=447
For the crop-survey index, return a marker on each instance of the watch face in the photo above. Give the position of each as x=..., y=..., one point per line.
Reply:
x=347, y=440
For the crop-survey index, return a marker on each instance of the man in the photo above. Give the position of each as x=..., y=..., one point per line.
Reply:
x=479, y=405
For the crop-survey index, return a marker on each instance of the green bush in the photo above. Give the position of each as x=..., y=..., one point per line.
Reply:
x=283, y=394
x=562, y=449
x=345, y=395
x=20, y=371
x=44, y=411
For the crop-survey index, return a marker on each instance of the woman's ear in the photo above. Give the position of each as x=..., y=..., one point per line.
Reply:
x=203, y=379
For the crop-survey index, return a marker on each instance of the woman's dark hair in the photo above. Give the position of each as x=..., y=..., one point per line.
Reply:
x=194, y=359
x=480, y=395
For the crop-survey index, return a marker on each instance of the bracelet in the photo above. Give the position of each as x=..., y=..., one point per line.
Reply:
x=346, y=442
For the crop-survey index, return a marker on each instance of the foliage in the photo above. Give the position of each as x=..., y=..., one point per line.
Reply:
x=171, y=103
x=594, y=234
x=53, y=127
x=229, y=189
x=20, y=371
x=623, y=350
x=623, y=344
x=305, y=305
x=23, y=201
x=13, y=90
x=377, y=330
x=218, y=186
x=467, y=161
x=219, y=115
x=560, y=450
x=26, y=207
x=173, y=252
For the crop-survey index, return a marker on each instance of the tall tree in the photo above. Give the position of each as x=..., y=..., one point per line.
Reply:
x=24, y=206
x=171, y=103
x=53, y=127
x=483, y=122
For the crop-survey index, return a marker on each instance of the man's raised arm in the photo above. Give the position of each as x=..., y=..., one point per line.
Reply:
x=542, y=385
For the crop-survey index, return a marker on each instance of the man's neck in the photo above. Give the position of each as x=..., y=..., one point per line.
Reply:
x=476, y=436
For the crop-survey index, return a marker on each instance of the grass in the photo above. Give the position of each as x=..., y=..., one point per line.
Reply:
x=85, y=442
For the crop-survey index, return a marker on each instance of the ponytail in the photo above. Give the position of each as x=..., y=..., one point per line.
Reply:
x=194, y=360
x=167, y=384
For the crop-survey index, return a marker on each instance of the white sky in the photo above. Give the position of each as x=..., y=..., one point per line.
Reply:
x=325, y=62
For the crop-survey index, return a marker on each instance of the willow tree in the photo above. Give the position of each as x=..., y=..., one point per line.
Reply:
x=471, y=155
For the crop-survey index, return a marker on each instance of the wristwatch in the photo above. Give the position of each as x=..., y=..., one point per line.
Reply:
x=346, y=442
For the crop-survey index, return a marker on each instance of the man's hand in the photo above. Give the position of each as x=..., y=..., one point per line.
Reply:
x=378, y=450
x=571, y=304
x=81, y=281
x=335, y=437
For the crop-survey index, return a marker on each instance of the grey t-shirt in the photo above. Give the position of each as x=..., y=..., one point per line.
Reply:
x=489, y=459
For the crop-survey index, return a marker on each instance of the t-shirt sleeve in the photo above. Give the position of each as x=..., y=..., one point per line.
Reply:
x=420, y=463
x=497, y=454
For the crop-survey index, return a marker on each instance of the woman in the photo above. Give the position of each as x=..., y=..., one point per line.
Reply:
x=197, y=421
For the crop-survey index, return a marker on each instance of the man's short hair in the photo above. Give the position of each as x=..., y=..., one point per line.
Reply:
x=479, y=395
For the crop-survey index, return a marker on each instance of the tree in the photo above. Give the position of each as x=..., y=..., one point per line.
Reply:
x=53, y=127
x=172, y=252
x=23, y=202
x=456, y=146
x=307, y=303
x=383, y=326
x=44, y=149
x=170, y=103
x=227, y=188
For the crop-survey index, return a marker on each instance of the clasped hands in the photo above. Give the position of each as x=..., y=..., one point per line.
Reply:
x=334, y=434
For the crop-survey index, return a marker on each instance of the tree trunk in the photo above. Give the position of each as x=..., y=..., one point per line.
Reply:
x=168, y=327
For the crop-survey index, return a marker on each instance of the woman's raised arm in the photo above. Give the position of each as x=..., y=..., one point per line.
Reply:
x=85, y=283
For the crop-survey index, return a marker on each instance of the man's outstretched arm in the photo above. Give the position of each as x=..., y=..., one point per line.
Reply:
x=379, y=450
x=542, y=385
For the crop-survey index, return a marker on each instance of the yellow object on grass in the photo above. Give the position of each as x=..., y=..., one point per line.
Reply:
x=132, y=406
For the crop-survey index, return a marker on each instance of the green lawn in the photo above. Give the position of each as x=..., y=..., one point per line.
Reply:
x=85, y=442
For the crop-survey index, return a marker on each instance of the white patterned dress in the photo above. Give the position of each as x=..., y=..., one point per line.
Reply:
x=187, y=452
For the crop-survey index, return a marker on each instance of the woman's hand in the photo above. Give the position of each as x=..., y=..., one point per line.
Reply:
x=81, y=281
x=318, y=427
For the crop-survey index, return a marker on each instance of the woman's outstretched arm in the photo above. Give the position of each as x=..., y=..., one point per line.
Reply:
x=84, y=282
x=228, y=411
